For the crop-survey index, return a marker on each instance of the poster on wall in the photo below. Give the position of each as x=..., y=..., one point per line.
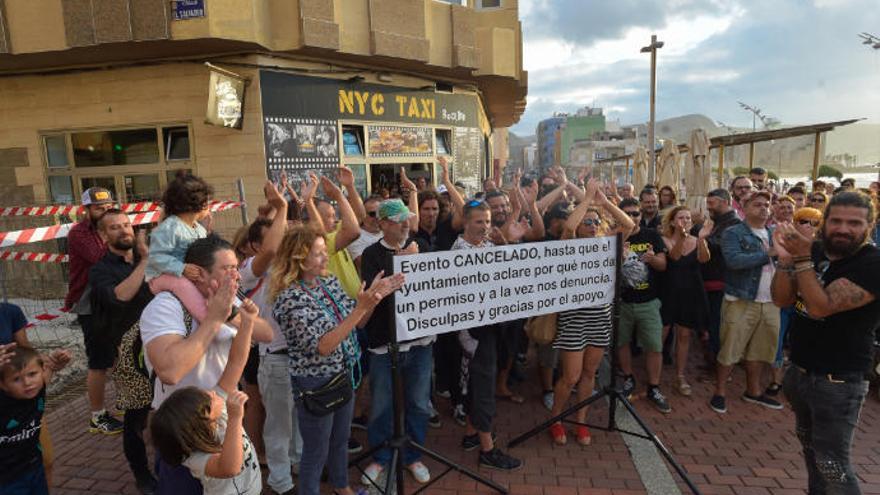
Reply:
x=311, y=142
x=393, y=141
x=225, y=100
x=468, y=158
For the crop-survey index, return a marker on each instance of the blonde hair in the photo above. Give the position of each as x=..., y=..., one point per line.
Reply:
x=287, y=266
x=666, y=226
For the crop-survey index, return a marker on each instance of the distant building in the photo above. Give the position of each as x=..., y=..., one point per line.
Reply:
x=602, y=145
x=580, y=126
x=547, y=132
x=530, y=155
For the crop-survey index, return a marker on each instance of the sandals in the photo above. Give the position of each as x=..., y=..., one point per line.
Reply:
x=684, y=387
x=557, y=431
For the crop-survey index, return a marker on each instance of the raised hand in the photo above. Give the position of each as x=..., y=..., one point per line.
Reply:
x=140, y=244
x=58, y=359
x=706, y=229
x=309, y=187
x=406, y=184
x=235, y=404
x=273, y=196
x=779, y=243
x=330, y=189
x=444, y=169
x=219, y=300
x=497, y=237
x=6, y=352
x=792, y=241
x=345, y=176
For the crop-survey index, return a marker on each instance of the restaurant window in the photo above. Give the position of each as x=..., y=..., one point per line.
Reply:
x=56, y=151
x=135, y=164
x=488, y=4
x=176, y=141
x=443, y=137
x=353, y=140
x=106, y=148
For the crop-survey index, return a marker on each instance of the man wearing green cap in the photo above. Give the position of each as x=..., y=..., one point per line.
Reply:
x=416, y=356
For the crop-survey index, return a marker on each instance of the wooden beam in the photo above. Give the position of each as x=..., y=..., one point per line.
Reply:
x=721, y=166
x=627, y=177
x=817, y=140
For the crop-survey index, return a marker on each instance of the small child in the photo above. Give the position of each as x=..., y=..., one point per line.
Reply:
x=186, y=202
x=202, y=429
x=23, y=381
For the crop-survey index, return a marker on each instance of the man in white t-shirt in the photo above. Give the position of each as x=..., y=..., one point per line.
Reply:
x=749, y=319
x=196, y=356
x=370, y=231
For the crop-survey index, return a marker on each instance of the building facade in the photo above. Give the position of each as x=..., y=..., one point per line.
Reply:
x=124, y=93
x=548, y=135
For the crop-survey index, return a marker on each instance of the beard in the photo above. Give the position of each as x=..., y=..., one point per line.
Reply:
x=123, y=244
x=842, y=245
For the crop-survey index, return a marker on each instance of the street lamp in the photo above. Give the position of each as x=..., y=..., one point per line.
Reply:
x=652, y=49
x=870, y=40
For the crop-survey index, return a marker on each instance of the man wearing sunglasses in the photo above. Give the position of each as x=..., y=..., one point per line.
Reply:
x=740, y=189
x=834, y=284
x=370, y=231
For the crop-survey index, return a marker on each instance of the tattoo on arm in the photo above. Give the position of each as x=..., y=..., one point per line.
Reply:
x=845, y=295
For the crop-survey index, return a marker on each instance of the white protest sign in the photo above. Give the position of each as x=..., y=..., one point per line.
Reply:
x=455, y=290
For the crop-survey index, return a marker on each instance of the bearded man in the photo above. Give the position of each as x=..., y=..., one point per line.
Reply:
x=833, y=284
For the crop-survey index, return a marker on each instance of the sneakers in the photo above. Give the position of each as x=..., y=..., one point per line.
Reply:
x=548, y=400
x=106, y=424
x=773, y=389
x=434, y=421
x=718, y=404
x=495, y=459
x=419, y=472
x=628, y=387
x=360, y=422
x=354, y=446
x=763, y=400
x=557, y=431
x=684, y=388
x=658, y=400
x=372, y=474
x=470, y=442
x=583, y=436
x=459, y=415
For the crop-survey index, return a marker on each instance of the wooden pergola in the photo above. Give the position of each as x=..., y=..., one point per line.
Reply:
x=750, y=138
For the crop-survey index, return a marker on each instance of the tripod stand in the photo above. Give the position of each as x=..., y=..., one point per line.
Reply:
x=613, y=394
x=400, y=440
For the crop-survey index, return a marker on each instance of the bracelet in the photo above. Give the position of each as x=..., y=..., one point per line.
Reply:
x=798, y=259
x=803, y=267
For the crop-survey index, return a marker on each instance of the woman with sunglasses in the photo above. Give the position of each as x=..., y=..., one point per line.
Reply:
x=818, y=200
x=807, y=221
x=685, y=304
x=583, y=334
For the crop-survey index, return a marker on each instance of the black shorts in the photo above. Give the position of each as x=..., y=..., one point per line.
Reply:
x=100, y=349
x=252, y=366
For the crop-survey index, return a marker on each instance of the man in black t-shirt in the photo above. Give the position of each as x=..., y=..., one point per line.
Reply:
x=833, y=284
x=644, y=255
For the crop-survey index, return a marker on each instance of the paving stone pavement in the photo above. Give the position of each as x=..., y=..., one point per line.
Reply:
x=749, y=450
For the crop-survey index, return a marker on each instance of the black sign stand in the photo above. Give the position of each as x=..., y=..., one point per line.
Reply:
x=400, y=440
x=613, y=394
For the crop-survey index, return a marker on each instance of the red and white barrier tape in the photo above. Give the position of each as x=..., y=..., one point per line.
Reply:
x=37, y=211
x=27, y=236
x=37, y=257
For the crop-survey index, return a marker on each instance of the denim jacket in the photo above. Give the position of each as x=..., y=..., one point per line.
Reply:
x=745, y=257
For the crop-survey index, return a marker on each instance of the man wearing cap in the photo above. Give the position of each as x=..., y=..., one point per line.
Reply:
x=721, y=217
x=85, y=248
x=416, y=356
x=749, y=320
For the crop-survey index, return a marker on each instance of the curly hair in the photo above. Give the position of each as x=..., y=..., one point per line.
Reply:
x=667, y=228
x=186, y=194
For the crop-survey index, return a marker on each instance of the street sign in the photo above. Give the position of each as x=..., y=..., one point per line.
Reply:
x=188, y=9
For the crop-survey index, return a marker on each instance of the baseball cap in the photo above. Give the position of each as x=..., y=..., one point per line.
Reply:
x=394, y=210
x=719, y=193
x=96, y=196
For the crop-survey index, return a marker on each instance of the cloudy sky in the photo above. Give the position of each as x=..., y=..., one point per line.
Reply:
x=799, y=61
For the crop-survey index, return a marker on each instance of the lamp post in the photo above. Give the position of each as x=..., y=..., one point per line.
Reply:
x=652, y=49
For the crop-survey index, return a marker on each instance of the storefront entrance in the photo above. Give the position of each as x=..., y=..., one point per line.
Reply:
x=385, y=177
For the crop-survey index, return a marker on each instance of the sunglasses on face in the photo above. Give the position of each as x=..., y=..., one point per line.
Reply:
x=372, y=213
x=588, y=222
x=474, y=202
x=634, y=214
x=813, y=223
x=818, y=199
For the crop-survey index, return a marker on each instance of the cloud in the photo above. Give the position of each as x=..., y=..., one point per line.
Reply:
x=799, y=62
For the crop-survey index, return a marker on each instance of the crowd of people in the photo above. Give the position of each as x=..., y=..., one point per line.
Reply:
x=265, y=352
